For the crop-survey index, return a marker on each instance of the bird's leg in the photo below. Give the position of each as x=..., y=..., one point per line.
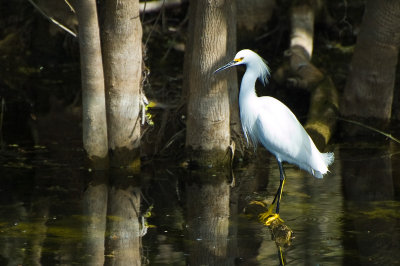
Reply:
x=268, y=216
x=280, y=188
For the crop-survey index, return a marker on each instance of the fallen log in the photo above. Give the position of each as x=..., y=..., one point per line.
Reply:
x=298, y=71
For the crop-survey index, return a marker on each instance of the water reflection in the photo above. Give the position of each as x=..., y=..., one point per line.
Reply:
x=94, y=205
x=216, y=229
x=55, y=212
x=313, y=208
x=207, y=219
x=369, y=191
x=112, y=213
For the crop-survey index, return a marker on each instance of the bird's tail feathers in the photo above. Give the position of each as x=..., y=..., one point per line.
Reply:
x=328, y=158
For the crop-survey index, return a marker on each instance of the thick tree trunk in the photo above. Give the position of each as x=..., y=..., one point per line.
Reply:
x=368, y=93
x=255, y=15
x=122, y=54
x=208, y=133
x=94, y=122
x=233, y=89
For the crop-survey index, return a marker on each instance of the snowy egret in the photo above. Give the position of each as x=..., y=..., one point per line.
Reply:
x=268, y=121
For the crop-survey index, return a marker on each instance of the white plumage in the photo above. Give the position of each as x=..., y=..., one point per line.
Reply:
x=268, y=121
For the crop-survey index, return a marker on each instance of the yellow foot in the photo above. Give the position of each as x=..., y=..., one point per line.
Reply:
x=269, y=216
x=268, y=220
x=256, y=202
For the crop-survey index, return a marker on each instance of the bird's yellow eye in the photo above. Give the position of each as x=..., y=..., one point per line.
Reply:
x=238, y=59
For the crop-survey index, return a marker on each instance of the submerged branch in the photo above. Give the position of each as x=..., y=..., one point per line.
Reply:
x=370, y=128
x=280, y=232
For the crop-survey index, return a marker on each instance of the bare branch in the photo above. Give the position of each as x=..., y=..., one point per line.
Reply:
x=52, y=19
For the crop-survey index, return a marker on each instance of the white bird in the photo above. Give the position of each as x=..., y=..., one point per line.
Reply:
x=268, y=121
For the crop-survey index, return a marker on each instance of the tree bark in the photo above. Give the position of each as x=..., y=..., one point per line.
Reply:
x=236, y=127
x=368, y=93
x=94, y=122
x=321, y=118
x=208, y=113
x=122, y=54
x=254, y=16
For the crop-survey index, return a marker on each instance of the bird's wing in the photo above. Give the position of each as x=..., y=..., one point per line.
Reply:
x=280, y=132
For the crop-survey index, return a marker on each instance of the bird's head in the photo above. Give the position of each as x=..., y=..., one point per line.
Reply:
x=253, y=63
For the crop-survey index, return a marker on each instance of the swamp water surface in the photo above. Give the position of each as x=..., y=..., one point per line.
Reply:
x=53, y=211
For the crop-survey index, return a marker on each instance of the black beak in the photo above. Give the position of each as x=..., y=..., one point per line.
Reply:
x=230, y=64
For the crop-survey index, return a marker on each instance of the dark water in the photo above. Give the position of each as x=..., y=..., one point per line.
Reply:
x=53, y=211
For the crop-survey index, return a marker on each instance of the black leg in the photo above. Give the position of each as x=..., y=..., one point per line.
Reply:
x=280, y=189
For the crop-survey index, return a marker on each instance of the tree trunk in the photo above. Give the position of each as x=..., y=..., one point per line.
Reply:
x=207, y=135
x=368, y=93
x=122, y=54
x=254, y=16
x=94, y=122
x=233, y=89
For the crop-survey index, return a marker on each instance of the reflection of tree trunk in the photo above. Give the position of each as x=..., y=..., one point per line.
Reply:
x=39, y=229
x=14, y=249
x=208, y=98
x=123, y=243
x=251, y=178
x=369, y=89
x=165, y=194
x=368, y=180
x=207, y=202
x=39, y=213
x=368, y=186
x=233, y=251
x=122, y=54
x=396, y=166
x=93, y=97
x=95, y=211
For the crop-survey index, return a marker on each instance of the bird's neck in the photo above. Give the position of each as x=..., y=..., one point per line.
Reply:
x=247, y=88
